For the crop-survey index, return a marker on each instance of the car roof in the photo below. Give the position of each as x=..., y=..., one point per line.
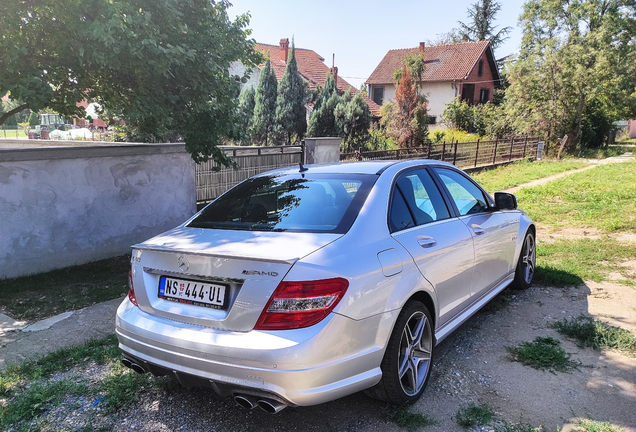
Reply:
x=366, y=167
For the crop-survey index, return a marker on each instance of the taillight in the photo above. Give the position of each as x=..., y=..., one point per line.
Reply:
x=131, y=289
x=301, y=304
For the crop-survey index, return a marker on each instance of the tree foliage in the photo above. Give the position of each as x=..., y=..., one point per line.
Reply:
x=160, y=65
x=291, y=121
x=576, y=70
x=265, y=104
x=481, y=25
x=353, y=119
x=322, y=122
x=409, y=120
x=247, y=103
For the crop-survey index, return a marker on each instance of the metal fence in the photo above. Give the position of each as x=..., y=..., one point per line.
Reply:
x=213, y=179
x=463, y=155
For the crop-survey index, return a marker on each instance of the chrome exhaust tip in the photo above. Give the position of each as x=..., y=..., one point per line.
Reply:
x=132, y=365
x=247, y=402
x=271, y=406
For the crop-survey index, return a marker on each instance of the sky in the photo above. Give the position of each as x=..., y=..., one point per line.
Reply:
x=360, y=33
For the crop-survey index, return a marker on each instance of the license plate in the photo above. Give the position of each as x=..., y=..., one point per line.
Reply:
x=196, y=293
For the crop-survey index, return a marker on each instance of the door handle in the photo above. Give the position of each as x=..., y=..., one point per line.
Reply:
x=477, y=229
x=426, y=242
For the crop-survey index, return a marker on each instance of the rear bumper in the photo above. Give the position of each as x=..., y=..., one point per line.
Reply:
x=336, y=357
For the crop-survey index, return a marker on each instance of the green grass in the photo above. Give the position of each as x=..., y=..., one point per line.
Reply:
x=571, y=262
x=517, y=173
x=31, y=388
x=474, y=415
x=517, y=427
x=589, y=332
x=47, y=294
x=543, y=353
x=605, y=152
x=588, y=425
x=602, y=198
x=12, y=133
x=409, y=420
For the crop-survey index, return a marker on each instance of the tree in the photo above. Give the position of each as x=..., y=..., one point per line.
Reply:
x=322, y=122
x=410, y=110
x=160, y=65
x=246, y=112
x=291, y=119
x=265, y=104
x=481, y=25
x=576, y=70
x=353, y=119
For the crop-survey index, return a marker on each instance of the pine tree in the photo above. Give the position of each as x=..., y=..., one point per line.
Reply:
x=291, y=119
x=322, y=122
x=482, y=16
x=265, y=105
x=246, y=112
x=353, y=119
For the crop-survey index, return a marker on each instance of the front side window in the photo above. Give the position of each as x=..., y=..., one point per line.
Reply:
x=301, y=203
x=416, y=201
x=468, y=198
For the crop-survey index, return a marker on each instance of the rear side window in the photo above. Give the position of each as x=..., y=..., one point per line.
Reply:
x=300, y=203
x=416, y=201
x=468, y=198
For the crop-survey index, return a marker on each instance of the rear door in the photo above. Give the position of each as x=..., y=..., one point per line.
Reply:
x=493, y=232
x=441, y=245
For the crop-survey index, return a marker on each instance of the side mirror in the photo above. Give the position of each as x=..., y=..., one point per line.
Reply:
x=505, y=201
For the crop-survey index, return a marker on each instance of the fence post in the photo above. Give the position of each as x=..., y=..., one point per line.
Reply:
x=443, y=149
x=494, y=154
x=525, y=146
x=428, y=150
x=455, y=152
x=512, y=143
x=477, y=151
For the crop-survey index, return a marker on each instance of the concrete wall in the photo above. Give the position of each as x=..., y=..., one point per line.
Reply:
x=632, y=128
x=63, y=206
x=322, y=150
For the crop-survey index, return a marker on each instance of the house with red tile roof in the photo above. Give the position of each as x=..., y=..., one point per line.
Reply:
x=311, y=67
x=467, y=70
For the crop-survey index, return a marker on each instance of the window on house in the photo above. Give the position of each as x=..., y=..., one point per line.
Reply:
x=378, y=95
x=484, y=96
x=432, y=120
x=480, y=71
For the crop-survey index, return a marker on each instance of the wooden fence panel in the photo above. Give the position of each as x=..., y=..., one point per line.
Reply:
x=213, y=180
x=463, y=155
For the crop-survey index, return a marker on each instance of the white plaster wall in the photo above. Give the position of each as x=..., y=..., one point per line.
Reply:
x=59, y=209
x=237, y=68
x=438, y=94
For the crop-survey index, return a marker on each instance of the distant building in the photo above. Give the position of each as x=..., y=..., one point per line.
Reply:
x=310, y=66
x=467, y=70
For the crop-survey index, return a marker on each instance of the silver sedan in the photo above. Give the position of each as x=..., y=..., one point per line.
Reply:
x=303, y=285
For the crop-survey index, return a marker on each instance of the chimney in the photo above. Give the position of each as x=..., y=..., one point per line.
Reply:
x=422, y=46
x=284, y=49
x=334, y=71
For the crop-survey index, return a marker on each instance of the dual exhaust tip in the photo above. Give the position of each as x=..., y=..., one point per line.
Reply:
x=270, y=406
x=246, y=401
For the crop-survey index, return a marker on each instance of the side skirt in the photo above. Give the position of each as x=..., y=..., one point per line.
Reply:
x=463, y=316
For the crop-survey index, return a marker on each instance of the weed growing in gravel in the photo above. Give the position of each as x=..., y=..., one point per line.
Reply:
x=543, y=353
x=589, y=332
x=29, y=402
x=33, y=387
x=588, y=425
x=517, y=427
x=409, y=420
x=474, y=415
x=501, y=301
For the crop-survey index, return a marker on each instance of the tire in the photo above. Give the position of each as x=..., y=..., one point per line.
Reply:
x=524, y=273
x=406, y=366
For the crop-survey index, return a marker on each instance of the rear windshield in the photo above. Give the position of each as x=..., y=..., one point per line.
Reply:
x=327, y=203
